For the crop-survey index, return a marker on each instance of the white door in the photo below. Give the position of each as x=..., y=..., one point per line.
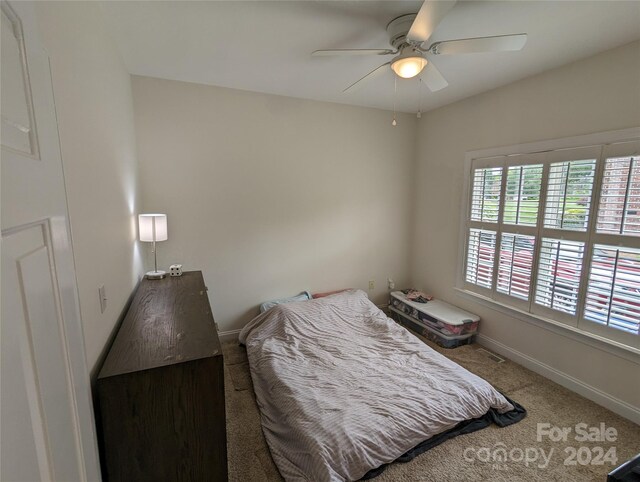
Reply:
x=46, y=417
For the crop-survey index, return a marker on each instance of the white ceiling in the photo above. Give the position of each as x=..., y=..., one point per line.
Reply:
x=265, y=46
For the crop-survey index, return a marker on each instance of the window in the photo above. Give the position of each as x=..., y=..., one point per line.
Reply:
x=557, y=234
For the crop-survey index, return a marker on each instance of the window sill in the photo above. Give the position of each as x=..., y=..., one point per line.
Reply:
x=618, y=349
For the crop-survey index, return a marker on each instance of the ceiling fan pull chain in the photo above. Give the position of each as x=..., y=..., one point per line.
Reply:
x=419, y=114
x=395, y=94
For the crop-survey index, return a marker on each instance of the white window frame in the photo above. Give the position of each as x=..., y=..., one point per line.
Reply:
x=598, y=146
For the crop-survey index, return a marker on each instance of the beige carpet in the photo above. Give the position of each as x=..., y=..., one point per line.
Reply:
x=546, y=402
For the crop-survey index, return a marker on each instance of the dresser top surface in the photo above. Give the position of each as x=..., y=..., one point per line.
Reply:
x=169, y=322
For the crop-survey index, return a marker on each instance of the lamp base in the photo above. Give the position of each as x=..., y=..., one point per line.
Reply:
x=155, y=274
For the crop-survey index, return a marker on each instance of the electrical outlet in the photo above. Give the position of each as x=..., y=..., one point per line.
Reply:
x=391, y=284
x=372, y=284
x=103, y=298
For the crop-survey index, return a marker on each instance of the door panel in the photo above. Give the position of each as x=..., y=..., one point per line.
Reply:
x=25, y=257
x=47, y=430
x=18, y=126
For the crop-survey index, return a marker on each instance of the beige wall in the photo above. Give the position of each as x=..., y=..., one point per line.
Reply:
x=272, y=195
x=597, y=94
x=92, y=92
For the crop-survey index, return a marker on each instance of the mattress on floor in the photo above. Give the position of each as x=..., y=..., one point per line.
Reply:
x=437, y=315
x=330, y=378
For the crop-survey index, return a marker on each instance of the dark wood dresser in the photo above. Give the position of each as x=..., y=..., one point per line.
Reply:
x=161, y=388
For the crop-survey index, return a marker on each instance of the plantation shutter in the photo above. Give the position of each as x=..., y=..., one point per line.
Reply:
x=485, y=197
x=557, y=234
x=515, y=264
x=518, y=229
x=619, y=210
x=482, y=225
x=613, y=294
x=569, y=194
x=522, y=194
x=612, y=299
x=480, y=257
x=559, y=271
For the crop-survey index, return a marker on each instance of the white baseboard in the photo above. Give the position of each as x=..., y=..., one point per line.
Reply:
x=231, y=335
x=596, y=395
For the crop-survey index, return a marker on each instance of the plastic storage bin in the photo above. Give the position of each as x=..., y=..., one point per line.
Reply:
x=444, y=324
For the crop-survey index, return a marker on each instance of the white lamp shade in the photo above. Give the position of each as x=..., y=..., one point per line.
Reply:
x=152, y=227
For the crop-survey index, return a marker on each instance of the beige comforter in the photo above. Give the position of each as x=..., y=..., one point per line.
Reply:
x=342, y=389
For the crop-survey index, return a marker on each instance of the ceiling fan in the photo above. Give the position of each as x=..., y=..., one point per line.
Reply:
x=409, y=36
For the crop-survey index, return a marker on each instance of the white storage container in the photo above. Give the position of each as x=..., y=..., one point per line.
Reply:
x=436, y=320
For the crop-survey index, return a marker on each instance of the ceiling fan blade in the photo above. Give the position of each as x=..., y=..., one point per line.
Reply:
x=374, y=73
x=499, y=43
x=321, y=53
x=430, y=15
x=433, y=78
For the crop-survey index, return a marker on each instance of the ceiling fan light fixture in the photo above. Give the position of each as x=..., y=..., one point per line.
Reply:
x=408, y=67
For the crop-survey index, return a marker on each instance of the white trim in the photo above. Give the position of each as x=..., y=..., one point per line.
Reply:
x=614, y=404
x=609, y=137
x=594, y=341
x=231, y=335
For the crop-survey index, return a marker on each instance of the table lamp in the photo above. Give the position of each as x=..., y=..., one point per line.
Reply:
x=153, y=227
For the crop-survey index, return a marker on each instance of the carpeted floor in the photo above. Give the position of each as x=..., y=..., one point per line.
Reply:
x=467, y=457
